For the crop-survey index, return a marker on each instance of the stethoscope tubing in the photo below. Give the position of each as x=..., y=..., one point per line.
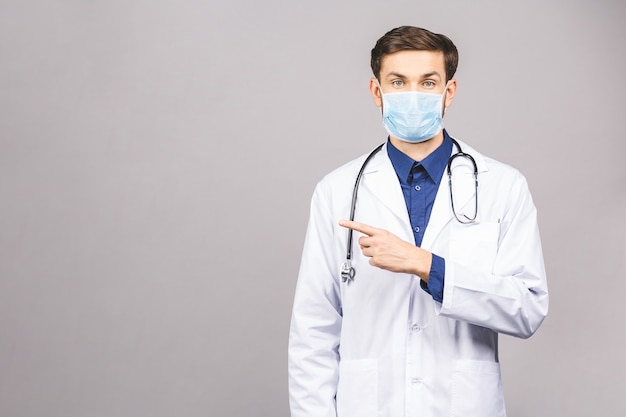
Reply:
x=355, y=191
x=347, y=271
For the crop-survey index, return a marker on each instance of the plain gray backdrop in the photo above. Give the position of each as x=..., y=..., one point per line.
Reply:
x=157, y=159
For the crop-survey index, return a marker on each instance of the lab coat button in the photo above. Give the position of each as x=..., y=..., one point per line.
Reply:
x=416, y=328
x=416, y=381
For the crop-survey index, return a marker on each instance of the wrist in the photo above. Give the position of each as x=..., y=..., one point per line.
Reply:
x=424, y=260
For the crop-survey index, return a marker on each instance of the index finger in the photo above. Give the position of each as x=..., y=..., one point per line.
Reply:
x=359, y=227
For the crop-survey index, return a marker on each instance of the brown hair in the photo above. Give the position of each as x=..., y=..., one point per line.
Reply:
x=410, y=38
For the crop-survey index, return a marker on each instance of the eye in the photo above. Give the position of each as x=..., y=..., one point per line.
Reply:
x=397, y=83
x=429, y=84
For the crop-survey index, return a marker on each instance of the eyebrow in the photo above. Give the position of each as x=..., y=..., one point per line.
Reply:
x=426, y=75
x=431, y=74
x=395, y=74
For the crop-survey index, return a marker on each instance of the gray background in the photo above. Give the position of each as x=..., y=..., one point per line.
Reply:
x=156, y=164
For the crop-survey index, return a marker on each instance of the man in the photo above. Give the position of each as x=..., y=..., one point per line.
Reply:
x=438, y=273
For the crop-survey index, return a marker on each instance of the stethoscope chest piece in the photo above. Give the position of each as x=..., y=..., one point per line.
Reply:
x=347, y=272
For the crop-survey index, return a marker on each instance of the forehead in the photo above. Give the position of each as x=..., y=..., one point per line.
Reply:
x=413, y=63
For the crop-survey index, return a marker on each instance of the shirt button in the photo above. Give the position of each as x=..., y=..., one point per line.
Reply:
x=416, y=229
x=417, y=188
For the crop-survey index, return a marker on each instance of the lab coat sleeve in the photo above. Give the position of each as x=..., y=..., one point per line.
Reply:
x=511, y=298
x=313, y=358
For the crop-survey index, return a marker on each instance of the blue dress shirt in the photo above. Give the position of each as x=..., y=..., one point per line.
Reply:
x=420, y=182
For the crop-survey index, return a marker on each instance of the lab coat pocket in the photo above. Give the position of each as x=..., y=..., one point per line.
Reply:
x=477, y=389
x=357, y=392
x=475, y=245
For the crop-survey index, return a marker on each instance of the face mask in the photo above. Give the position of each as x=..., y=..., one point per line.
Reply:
x=412, y=116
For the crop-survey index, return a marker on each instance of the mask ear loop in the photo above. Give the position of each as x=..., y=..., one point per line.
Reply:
x=444, y=94
x=380, y=90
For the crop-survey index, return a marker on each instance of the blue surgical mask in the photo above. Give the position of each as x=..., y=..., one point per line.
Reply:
x=412, y=116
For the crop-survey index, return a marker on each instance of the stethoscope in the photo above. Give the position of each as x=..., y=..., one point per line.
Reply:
x=347, y=271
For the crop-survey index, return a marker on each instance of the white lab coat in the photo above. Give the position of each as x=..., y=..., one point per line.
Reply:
x=380, y=345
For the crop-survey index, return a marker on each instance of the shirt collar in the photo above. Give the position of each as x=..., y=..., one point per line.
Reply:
x=434, y=163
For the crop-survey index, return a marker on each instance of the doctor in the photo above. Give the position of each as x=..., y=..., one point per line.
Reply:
x=415, y=331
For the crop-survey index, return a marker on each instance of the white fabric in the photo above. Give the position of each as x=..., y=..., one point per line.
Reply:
x=380, y=345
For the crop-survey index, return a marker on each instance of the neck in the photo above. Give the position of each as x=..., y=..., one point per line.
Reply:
x=418, y=151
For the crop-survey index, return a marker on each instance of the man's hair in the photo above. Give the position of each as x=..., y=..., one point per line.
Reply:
x=410, y=38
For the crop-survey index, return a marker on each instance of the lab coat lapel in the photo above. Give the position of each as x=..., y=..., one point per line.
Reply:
x=381, y=180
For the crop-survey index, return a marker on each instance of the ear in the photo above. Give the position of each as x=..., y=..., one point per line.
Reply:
x=376, y=92
x=450, y=93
